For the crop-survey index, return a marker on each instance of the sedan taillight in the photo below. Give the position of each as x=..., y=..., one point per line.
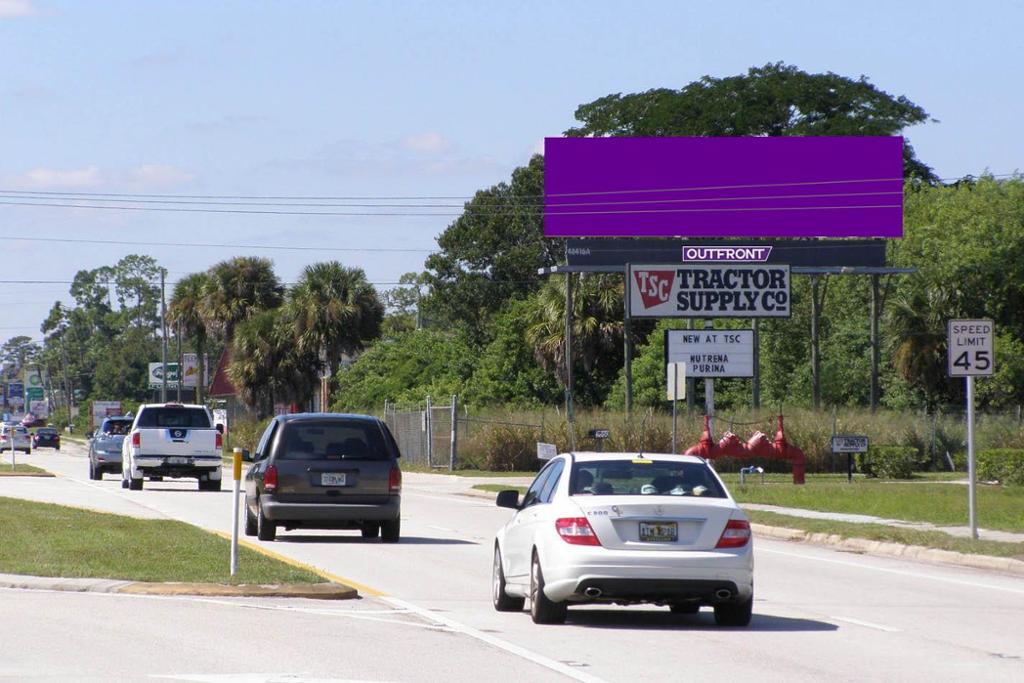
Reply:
x=576, y=530
x=735, y=535
x=270, y=479
x=395, y=480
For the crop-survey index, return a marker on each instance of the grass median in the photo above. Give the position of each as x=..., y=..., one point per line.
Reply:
x=20, y=468
x=40, y=539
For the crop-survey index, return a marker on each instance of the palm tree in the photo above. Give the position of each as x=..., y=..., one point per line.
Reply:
x=597, y=322
x=236, y=290
x=334, y=311
x=267, y=366
x=184, y=312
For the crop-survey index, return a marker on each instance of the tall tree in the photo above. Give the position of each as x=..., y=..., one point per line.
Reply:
x=490, y=254
x=334, y=311
x=775, y=99
x=17, y=351
x=184, y=312
x=236, y=290
x=267, y=366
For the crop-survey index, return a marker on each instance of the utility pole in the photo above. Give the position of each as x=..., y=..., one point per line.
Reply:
x=163, y=325
x=181, y=363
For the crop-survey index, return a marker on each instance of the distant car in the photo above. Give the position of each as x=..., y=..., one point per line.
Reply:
x=30, y=421
x=17, y=434
x=46, y=437
x=325, y=471
x=621, y=528
x=105, y=446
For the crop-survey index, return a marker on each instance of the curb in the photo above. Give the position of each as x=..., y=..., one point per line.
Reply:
x=313, y=591
x=26, y=474
x=887, y=549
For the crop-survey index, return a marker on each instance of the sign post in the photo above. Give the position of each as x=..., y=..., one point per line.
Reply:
x=970, y=346
x=676, y=382
x=849, y=444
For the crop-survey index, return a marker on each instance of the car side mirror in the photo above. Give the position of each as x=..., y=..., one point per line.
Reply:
x=508, y=499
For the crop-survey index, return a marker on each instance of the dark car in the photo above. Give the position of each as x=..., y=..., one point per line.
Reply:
x=46, y=437
x=324, y=471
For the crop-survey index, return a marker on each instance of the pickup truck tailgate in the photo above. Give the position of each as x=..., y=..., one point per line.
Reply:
x=178, y=441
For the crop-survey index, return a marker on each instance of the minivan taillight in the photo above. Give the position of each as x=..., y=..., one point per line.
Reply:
x=270, y=479
x=576, y=530
x=735, y=535
x=395, y=480
x=137, y=439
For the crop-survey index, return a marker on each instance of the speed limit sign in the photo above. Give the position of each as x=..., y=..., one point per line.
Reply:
x=970, y=347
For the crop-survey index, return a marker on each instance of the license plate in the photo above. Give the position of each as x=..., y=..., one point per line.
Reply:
x=332, y=479
x=663, y=532
x=179, y=461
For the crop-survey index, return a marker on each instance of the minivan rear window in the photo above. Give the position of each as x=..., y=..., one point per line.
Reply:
x=332, y=440
x=644, y=477
x=174, y=417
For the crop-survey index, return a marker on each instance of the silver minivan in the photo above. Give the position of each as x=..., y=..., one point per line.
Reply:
x=324, y=471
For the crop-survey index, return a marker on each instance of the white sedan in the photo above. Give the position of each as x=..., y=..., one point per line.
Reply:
x=624, y=528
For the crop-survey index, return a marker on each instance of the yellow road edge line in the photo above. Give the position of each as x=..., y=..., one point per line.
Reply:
x=362, y=588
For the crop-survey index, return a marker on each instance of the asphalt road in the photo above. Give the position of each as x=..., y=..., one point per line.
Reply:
x=819, y=614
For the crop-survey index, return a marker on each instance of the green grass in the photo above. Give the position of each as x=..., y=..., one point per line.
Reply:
x=53, y=540
x=999, y=507
x=19, y=468
x=879, y=532
x=494, y=488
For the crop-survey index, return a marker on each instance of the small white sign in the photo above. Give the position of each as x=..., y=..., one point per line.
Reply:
x=675, y=381
x=847, y=443
x=712, y=353
x=970, y=347
x=546, y=451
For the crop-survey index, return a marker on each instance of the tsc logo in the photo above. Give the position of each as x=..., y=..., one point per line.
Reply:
x=655, y=286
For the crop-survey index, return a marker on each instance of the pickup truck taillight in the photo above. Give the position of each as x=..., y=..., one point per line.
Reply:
x=219, y=441
x=270, y=479
x=137, y=439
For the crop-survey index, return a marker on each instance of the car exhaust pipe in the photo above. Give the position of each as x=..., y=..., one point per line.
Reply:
x=592, y=592
x=723, y=593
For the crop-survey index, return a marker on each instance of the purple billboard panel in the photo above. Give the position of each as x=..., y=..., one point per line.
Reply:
x=723, y=187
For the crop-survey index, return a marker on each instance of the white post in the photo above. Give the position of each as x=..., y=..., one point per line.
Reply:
x=237, y=476
x=709, y=393
x=972, y=501
x=675, y=401
x=13, y=465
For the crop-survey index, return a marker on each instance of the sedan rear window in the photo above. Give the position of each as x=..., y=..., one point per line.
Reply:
x=644, y=477
x=332, y=440
x=174, y=417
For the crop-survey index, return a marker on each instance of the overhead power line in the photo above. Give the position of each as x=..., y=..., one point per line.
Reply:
x=272, y=247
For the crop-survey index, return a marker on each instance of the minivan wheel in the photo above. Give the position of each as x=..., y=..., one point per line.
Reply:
x=542, y=609
x=502, y=601
x=250, y=522
x=265, y=529
x=370, y=530
x=391, y=530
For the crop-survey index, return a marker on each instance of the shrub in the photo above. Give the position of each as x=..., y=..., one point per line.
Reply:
x=1005, y=465
x=889, y=462
x=246, y=433
x=511, y=448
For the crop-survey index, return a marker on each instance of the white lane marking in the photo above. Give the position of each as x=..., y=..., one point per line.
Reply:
x=511, y=648
x=897, y=572
x=867, y=624
x=453, y=498
x=255, y=678
x=442, y=528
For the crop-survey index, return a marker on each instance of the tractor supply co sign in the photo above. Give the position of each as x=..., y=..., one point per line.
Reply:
x=709, y=291
x=712, y=353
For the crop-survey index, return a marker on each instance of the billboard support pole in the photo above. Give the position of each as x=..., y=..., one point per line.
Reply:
x=815, y=339
x=875, y=360
x=568, y=349
x=628, y=340
x=757, y=364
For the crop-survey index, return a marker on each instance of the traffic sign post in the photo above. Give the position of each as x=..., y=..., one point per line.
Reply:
x=970, y=355
x=676, y=382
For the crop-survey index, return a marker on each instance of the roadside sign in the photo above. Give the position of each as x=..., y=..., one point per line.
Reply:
x=970, y=347
x=845, y=443
x=156, y=375
x=675, y=380
x=546, y=451
x=15, y=390
x=33, y=394
x=712, y=353
x=599, y=433
x=709, y=290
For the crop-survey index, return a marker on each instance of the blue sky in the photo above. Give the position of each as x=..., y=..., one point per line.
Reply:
x=406, y=98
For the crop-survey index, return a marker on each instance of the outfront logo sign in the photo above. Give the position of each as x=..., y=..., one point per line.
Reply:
x=709, y=291
x=723, y=253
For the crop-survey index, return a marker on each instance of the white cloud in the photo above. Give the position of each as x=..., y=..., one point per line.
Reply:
x=11, y=9
x=156, y=176
x=47, y=178
x=426, y=143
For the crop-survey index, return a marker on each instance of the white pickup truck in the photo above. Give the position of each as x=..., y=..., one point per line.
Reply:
x=172, y=440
